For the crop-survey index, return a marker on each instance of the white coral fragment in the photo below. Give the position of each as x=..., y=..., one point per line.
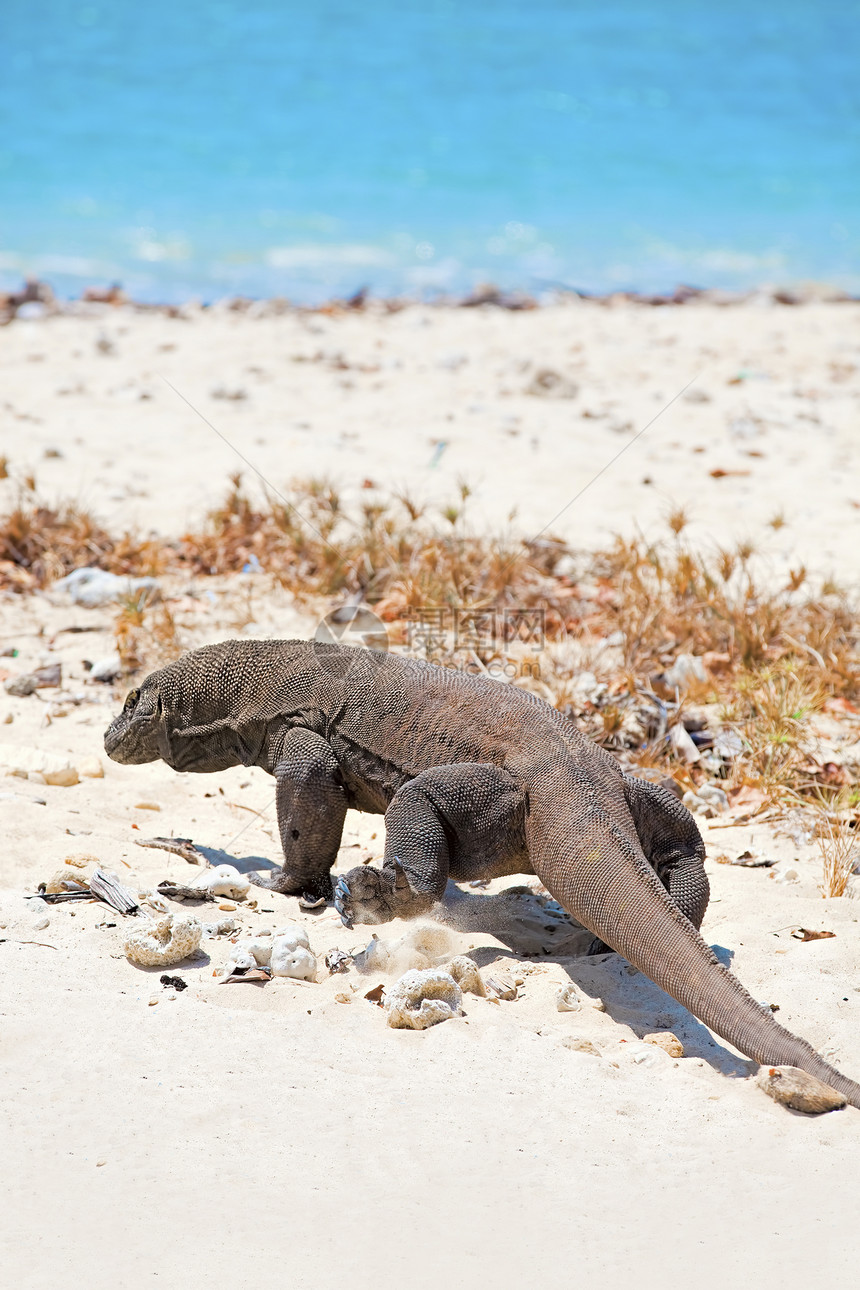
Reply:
x=260, y=950
x=422, y=999
x=292, y=935
x=287, y=953
x=292, y=960
x=224, y=880
x=465, y=972
x=162, y=943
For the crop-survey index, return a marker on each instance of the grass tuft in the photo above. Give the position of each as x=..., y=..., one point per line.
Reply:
x=639, y=638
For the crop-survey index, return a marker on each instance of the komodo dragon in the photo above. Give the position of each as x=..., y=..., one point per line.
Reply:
x=476, y=779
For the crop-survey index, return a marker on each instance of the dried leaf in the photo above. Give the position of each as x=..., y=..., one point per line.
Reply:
x=375, y=995
x=746, y=798
x=804, y=934
x=246, y=974
x=746, y=860
x=838, y=704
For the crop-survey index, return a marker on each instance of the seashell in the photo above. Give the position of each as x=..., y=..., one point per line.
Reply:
x=374, y=958
x=795, y=1088
x=567, y=999
x=500, y=987
x=223, y=927
x=153, y=899
x=422, y=999
x=162, y=943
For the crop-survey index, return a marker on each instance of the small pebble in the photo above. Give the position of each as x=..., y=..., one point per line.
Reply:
x=343, y=998
x=153, y=1000
x=41, y=925
x=91, y=768
x=579, y=1045
x=227, y=904
x=645, y=1058
x=664, y=1039
x=147, y=806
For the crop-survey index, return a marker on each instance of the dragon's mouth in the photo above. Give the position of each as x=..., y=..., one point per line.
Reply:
x=123, y=744
x=113, y=741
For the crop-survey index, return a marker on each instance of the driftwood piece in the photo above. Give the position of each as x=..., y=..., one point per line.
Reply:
x=176, y=891
x=60, y=897
x=183, y=847
x=109, y=889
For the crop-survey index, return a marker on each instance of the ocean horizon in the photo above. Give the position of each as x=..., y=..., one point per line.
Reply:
x=207, y=149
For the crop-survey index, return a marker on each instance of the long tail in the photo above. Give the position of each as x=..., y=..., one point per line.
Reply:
x=605, y=882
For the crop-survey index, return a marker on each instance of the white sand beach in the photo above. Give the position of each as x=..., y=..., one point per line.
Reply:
x=742, y=412
x=230, y=1134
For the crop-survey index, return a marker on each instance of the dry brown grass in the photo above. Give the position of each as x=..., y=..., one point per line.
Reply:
x=771, y=654
x=391, y=550
x=146, y=635
x=40, y=543
x=836, y=822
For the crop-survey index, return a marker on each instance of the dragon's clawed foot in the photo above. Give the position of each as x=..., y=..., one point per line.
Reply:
x=343, y=901
x=367, y=895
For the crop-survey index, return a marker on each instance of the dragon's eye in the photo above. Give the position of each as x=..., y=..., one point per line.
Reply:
x=133, y=696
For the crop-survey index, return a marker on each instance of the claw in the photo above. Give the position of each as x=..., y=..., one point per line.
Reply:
x=342, y=897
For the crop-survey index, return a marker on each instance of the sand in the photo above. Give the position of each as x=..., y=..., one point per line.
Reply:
x=425, y=398
x=237, y=1133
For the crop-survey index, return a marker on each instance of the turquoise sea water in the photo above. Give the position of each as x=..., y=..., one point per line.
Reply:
x=272, y=147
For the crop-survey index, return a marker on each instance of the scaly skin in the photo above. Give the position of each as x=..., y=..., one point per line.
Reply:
x=476, y=779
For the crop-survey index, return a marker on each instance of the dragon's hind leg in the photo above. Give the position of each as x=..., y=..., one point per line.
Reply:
x=450, y=821
x=672, y=845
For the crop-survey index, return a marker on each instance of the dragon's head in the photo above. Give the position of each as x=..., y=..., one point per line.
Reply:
x=138, y=734
x=183, y=713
